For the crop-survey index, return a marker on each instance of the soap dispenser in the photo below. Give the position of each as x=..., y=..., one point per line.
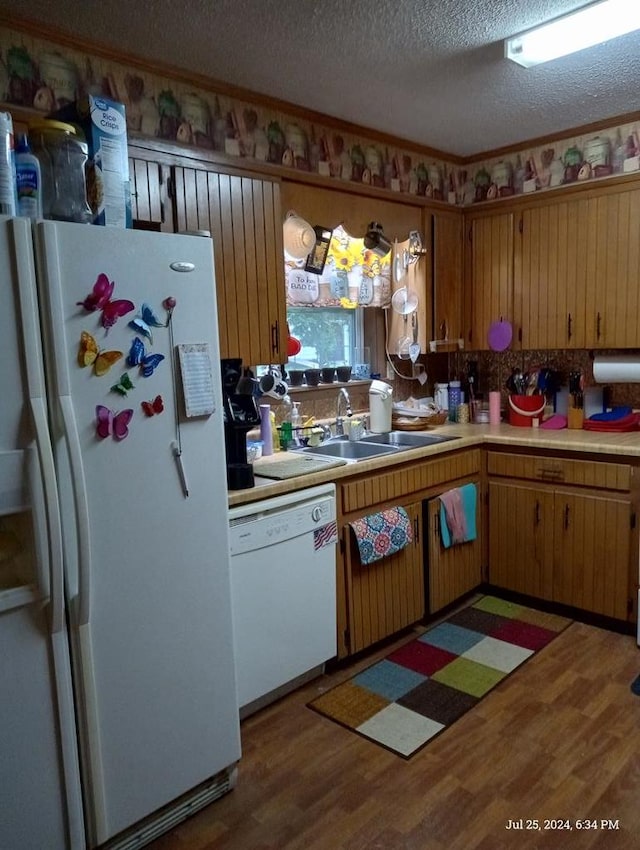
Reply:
x=296, y=423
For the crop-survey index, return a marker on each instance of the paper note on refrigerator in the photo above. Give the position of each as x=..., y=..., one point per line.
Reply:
x=197, y=379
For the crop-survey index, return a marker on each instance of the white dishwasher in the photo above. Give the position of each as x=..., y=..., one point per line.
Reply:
x=283, y=592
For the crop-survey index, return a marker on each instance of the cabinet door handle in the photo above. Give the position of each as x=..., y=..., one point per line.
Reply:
x=274, y=337
x=416, y=531
x=569, y=324
x=598, y=325
x=566, y=517
x=537, y=521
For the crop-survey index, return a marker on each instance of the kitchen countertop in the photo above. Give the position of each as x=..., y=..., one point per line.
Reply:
x=621, y=445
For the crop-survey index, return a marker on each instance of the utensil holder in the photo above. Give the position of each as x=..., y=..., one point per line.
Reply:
x=575, y=417
x=524, y=408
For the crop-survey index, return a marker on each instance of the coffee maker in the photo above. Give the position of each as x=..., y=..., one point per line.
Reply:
x=241, y=414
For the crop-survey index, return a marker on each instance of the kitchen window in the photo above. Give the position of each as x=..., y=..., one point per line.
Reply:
x=329, y=336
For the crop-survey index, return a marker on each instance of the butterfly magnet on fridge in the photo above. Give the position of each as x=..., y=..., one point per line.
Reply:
x=90, y=355
x=152, y=408
x=100, y=299
x=112, y=424
x=124, y=385
x=137, y=356
x=145, y=321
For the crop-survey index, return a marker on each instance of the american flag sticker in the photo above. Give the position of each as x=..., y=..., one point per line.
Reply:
x=325, y=536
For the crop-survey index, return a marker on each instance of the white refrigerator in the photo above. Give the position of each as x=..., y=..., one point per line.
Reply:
x=118, y=706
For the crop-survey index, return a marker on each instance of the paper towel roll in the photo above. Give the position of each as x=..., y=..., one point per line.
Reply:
x=624, y=369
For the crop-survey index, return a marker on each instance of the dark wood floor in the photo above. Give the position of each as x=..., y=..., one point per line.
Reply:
x=559, y=739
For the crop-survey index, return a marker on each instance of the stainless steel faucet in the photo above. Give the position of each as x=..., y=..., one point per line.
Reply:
x=339, y=419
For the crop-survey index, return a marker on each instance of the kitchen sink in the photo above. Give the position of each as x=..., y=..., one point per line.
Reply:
x=348, y=450
x=375, y=445
x=406, y=439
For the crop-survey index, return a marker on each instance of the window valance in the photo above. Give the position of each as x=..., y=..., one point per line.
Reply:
x=353, y=276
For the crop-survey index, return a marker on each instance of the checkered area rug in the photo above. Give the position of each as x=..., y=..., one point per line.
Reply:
x=405, y=700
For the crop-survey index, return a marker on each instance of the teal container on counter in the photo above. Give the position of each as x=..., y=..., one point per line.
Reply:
x=455, y=398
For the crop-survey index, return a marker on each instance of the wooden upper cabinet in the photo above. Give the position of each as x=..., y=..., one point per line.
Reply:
x=488, y=294
x=447, y=232
x=553, y=274
x=612, y=313
x=149, y=203
x=244, y=217
x=577, y=273
x=354, y=210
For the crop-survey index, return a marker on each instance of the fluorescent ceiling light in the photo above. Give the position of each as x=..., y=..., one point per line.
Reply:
x=590, y=25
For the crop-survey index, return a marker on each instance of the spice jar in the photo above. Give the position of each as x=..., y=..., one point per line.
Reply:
x=462, y=413
x=62, y=154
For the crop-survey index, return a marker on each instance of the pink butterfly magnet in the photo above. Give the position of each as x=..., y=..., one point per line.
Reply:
x=100, y=299
x=113, y=424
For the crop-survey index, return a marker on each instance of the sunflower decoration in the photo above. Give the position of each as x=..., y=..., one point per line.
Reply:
x=344, y=251
x=371, y=265
x=348, y=303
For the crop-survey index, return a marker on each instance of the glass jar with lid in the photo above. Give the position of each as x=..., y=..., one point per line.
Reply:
x=62, y=154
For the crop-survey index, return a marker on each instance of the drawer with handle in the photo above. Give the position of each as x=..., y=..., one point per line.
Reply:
x=554, y=470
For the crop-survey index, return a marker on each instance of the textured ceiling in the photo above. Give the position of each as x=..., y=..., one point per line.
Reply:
x=428, y=71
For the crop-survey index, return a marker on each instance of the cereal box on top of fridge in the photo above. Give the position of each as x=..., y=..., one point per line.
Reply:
x=104, y=125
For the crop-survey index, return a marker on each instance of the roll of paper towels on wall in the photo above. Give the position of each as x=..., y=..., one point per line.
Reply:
x=617, y=370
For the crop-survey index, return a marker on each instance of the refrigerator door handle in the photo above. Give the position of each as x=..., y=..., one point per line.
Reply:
x=42, y=568
x=44, y=489
x=83, y=599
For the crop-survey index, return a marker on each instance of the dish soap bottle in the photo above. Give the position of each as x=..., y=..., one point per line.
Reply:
x=28, y=180
x=296, y=423
x=286, y=429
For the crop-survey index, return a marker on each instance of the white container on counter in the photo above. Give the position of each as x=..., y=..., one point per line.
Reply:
x=593, y=401
x=441, y=396
x=380, y=407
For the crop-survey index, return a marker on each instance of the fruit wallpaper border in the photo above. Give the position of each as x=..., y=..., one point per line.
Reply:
x=37, y=73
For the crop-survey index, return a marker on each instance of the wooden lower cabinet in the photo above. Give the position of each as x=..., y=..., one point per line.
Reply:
x=592, y=536
x=562, y=545
x=385, y=596
x=454, y=571
x=521, y=538
x=376, y=601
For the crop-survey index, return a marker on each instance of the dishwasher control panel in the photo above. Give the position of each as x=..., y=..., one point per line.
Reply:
x=267, y=523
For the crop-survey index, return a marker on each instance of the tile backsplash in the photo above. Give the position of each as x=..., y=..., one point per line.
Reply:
x=494, y=369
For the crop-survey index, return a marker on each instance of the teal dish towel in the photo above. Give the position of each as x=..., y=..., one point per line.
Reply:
x=468, y=496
